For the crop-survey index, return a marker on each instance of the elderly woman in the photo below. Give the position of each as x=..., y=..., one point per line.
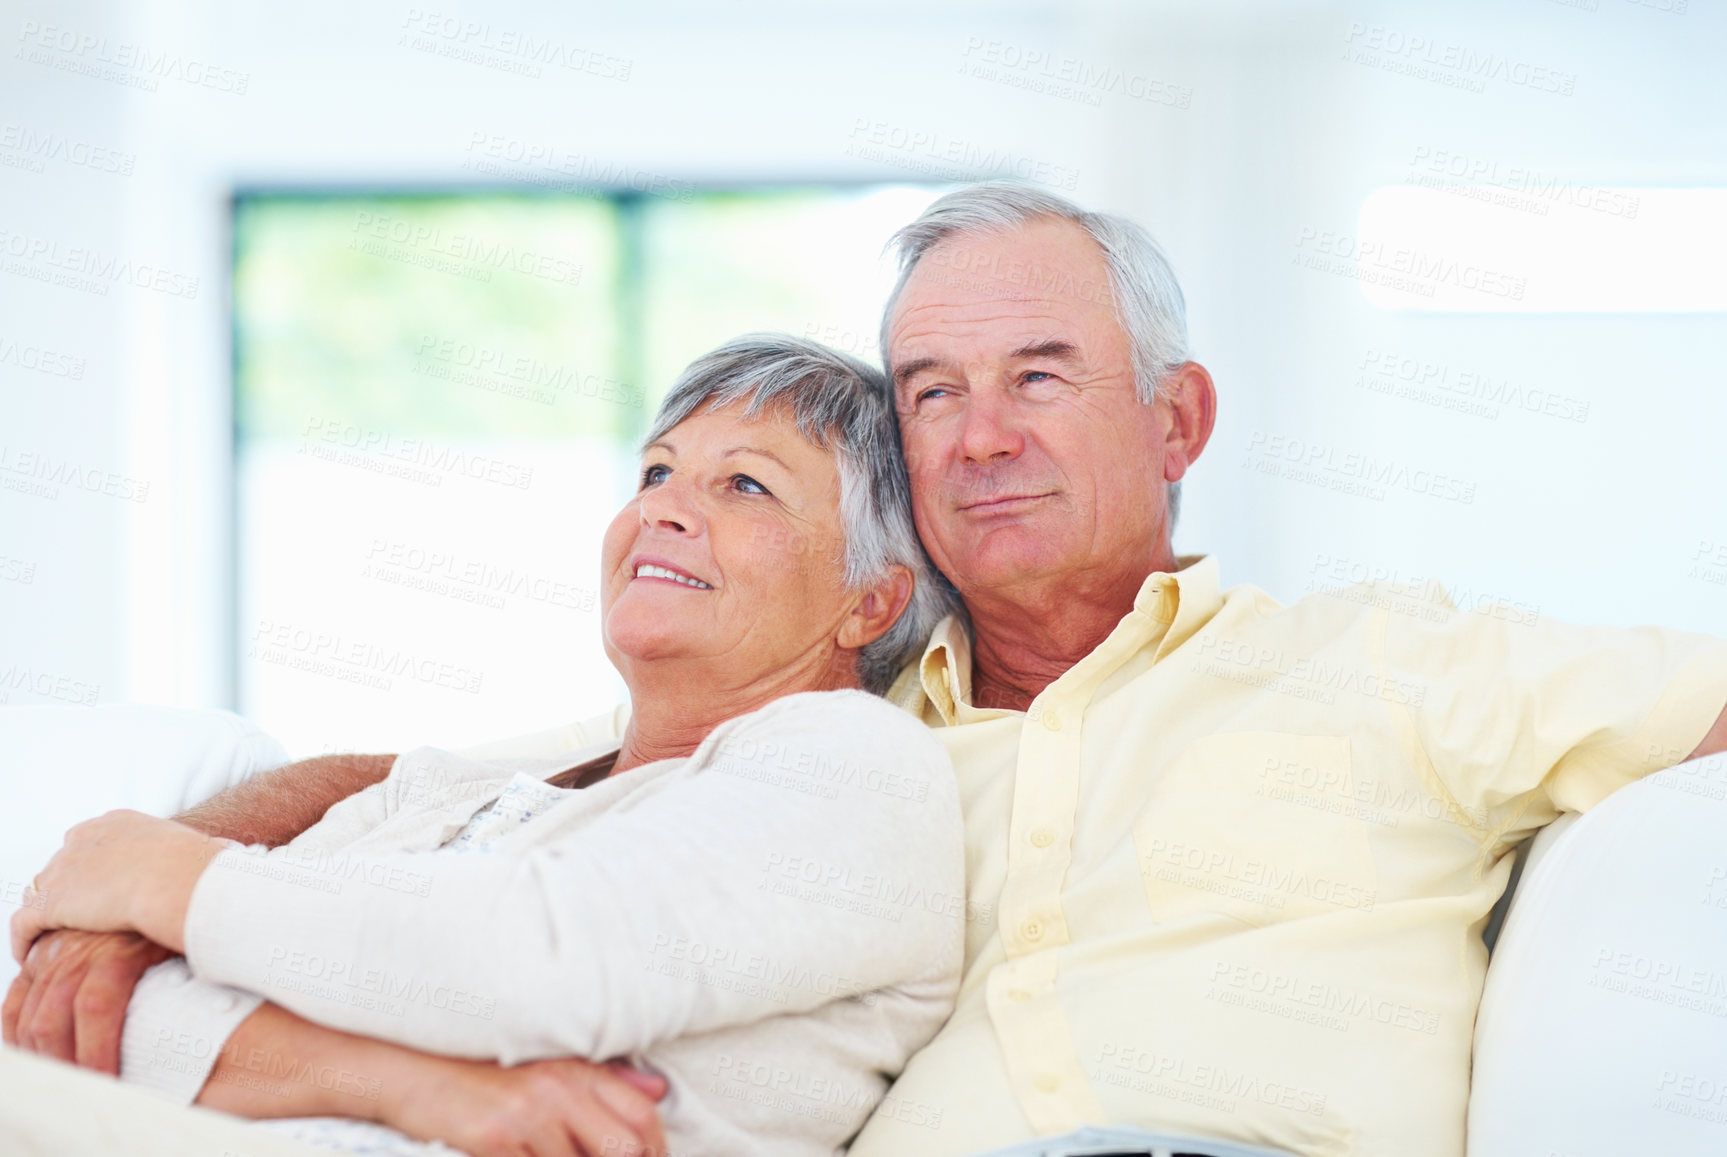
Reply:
x=757, y=895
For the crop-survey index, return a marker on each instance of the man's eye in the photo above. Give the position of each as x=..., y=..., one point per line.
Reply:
x=1037, y=375
x=932, y=392
x=749, y=485
x=654, y=475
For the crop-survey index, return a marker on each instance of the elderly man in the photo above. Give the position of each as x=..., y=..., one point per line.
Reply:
x=1229, y=861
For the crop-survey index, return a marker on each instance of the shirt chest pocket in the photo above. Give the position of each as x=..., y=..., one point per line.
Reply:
x=1257, y=826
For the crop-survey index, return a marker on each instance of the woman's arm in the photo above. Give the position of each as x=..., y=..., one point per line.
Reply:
x=279, y=1065
x=816, y=856
x=70, y=998
x=684, y=912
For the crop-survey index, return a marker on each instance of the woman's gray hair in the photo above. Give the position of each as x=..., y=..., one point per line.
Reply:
x=845, y=406
x=1147, y=297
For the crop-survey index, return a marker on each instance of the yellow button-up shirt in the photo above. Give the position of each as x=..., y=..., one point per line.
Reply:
x=1228, y=874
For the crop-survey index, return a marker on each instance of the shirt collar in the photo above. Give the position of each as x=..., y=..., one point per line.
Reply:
x=1177, y=603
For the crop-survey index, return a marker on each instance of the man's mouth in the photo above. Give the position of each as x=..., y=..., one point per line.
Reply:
x=1003, y=503
x=654, y=570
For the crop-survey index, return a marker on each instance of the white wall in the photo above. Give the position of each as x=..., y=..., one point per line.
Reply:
x=1283, y=135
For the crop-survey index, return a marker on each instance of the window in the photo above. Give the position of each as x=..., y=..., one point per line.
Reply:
x=1535, y=244
x=437, y=402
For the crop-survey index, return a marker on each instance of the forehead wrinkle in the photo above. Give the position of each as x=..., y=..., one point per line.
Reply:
x=917, y=323
x=992, y=309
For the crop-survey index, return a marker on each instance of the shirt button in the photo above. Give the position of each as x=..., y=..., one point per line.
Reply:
x=1018, y=995
x=1042, y=838
x=225, y=1002
x=1048, y=1083
x=1032, y=930
x=1052, y=721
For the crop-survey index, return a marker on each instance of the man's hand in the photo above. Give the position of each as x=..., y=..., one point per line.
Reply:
x=69, y=1002
x=556, y=1108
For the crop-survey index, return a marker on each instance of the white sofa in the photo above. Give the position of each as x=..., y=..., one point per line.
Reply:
x=1603, y=1028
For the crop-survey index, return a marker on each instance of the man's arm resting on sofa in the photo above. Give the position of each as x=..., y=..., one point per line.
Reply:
x=69, y=1001
x=1715, y=742
x=277, y=1064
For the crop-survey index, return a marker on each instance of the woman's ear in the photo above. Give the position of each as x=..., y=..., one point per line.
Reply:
x=879, y=609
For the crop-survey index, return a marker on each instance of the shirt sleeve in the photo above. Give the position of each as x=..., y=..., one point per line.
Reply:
x=1512, y=704
x=175, y=1028
x=814, y=854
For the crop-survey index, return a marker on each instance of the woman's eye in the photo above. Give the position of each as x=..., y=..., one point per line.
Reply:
x=932, y=393
x=654, y=474
x=749, y=485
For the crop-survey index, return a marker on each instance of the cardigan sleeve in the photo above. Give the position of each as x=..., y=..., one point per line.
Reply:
x=815, y=854
x=176, y=1027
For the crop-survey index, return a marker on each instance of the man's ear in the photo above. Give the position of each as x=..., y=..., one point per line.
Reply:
x=879, y=609
x=1192, y=402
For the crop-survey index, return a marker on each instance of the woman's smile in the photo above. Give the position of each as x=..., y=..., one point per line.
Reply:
x=658, y=570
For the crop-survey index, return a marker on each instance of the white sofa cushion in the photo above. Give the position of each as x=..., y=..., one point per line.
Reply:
x=1603, y=1026
x=59, y=765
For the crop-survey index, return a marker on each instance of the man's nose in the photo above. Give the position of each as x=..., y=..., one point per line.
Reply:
x=990, y=433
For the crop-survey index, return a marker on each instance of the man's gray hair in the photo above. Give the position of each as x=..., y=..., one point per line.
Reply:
x=1142, y=285
x=845, y=406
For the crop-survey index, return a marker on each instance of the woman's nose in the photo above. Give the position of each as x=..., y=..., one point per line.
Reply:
x=669, y=506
